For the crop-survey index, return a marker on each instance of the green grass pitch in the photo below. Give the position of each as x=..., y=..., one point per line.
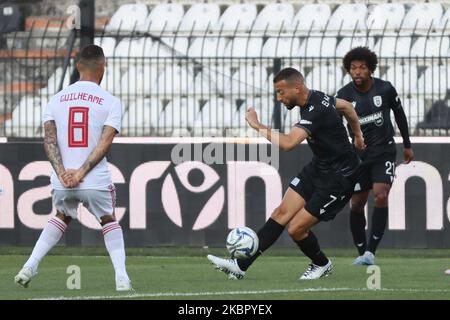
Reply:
x=184, y=273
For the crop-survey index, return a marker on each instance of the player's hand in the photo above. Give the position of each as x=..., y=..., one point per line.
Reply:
x=252, y=118
x=74, y=177
x=65, y=179
x=408, y=155
x=359, y=143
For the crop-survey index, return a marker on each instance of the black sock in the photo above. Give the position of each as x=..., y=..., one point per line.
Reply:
x=379, y=220
x=310, y=247
x=358, y=229
x=267, y=235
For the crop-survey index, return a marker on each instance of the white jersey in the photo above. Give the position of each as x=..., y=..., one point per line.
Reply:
x=80, y=111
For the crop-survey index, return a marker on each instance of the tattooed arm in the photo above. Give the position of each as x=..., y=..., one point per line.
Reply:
x=95, y=156
x=52, y=151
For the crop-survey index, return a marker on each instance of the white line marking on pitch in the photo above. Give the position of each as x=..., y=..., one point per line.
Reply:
x=199, y=294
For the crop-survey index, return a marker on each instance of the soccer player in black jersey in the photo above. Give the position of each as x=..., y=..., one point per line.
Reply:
x=373, y=100
x=322, y=188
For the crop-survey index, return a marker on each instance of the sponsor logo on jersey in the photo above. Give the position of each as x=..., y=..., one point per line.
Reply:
x=377, y=101
x=376, y=118
x=311, y=108
x=303, y=121
x=295, y=181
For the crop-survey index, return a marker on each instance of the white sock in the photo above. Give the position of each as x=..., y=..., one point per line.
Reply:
x=115, y=245
x=49, y=237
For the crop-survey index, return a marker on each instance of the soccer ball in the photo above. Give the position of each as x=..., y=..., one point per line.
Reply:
x=242, y=243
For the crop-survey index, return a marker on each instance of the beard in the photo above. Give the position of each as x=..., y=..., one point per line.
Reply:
x=290, y=106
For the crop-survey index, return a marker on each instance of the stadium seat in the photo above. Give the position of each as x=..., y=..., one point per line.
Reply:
x=385, y=18
x=108, y=45
x=128, y=17
x=244, y=47
x=280, y=47
x=173, y=81
x=247, y=80
x=403, y=77
x=311, y=18
x=54, y=80
x=434, y=83
x=215, y=115
x=421, y=18
x=274, y=17
x=318, y=47
x=169, y=47
x=203, y=86
x=390, y=47
x=324, y=78
x=179, y=114
x=200, y=17
x=349, y=43
x=431, y=47
x=237, y=17
x=139, y=80
x=263, y=107
x=348, y=19
x=142, y=116
x=414, y=110
x=207, y=47
x=444, y=25
x=27, y=117
x=165, y=17
x=111, y=79
x=133, y=48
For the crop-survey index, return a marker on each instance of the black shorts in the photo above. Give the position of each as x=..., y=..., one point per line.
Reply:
x=376, y=169
x=325, y=195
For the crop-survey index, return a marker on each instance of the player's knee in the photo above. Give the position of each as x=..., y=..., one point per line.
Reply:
x=357, y=205
x=297, y=233
x=381, y=199
x=278, y=213
x=107, y=219
x=63, y=217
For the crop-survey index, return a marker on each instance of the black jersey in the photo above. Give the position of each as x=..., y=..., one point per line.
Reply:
x=327, y=136
x=373, y=108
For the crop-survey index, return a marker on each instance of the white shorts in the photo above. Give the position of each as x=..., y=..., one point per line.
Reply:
x=98, y=202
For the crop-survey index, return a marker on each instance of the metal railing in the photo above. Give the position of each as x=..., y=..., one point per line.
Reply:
x=200, y=82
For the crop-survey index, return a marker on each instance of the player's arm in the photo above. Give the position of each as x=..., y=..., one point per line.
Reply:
x=285, y=142
x=346, y=109
x=402, y=123
x=52, y=151
x=96, y=155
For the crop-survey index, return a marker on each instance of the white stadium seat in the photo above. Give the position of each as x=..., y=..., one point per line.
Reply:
x=431, y=47
x=207, y=47
x=26, y=118
x=434, y=83
x=389, y=47
x=216, y=114
x=169, y=47
x=244, y=47
x=274, y=16
x=174, y=80
x=53, y=82
x=348, y=18
x=248, y=80
x=237, y=17
x=280, y=47
x=318, y=47
x=311, y=18
x=108, y=45
x=403, y=77
x=203, y=86
x=349, y=43
x=179, y=113
x=421, y=17
x=385, y=18
x=164, y=17
x=139, y=47
x=414, y=110
x=324, y=78
x=128, y=17
x=141, y=116
x=139, y=80
x=200, y=17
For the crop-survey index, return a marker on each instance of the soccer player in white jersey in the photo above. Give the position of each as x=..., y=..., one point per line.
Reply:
x=80, y=124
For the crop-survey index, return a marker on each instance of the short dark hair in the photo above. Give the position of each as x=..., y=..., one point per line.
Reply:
x=288, y=74
x=91, y=56
x=362, y=54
